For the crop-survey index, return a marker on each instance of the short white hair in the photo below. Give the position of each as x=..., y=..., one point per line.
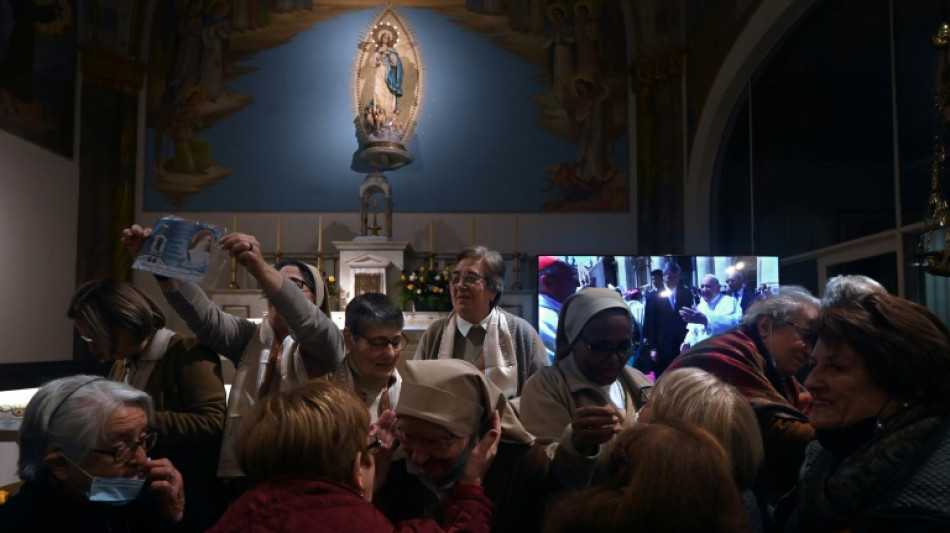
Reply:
x=69, y=414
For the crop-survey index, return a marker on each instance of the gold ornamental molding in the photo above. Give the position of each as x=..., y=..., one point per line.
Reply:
x=124, y=74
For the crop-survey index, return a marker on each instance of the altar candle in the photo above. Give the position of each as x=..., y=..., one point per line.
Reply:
x=473, y=230
x=516, y=234
x=320, y=234
x=234, y=226
x=431, y=235
x=278, y=233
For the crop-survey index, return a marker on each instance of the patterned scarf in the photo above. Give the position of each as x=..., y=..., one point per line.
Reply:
x=833, y=493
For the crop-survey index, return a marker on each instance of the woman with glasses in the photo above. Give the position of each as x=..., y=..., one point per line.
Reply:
x=84, y=460
x=296, y=342
x=374, y=342
x=589, y=393
x=123, y=325
x=760, y=358
x=505, y=347
x=313, y=457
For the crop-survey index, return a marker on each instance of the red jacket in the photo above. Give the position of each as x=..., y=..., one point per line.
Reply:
x=303, y=503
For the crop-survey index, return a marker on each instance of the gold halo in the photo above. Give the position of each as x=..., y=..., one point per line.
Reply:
x=592, y=8
x=556, y=6
x=385, y=27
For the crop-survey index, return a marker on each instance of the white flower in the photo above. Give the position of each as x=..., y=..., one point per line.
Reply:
x=418, y=291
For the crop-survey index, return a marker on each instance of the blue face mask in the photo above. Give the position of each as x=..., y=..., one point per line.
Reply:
x=115, y=491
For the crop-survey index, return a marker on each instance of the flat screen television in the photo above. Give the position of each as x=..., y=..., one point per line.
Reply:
x=631, y=277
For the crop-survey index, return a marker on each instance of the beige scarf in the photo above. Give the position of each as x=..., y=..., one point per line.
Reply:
x=498, y=351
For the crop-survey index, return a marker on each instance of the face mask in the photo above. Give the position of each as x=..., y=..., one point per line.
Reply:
x=115, y=491
x=453, y=474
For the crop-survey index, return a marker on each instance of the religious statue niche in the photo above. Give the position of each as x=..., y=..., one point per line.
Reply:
x=388, y=87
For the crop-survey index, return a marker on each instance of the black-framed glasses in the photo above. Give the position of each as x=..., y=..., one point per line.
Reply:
x=808, y=334
x=87, y=340
x=381, y=343
x=468, y=278
x=301, y=283
x=123, y=452
x=603, y=350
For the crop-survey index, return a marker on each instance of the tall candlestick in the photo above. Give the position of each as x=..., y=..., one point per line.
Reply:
x=320, y=242
x=431, y=243
x=233, y=284
x=473, y=230
x=278, y=234
x=516, y=235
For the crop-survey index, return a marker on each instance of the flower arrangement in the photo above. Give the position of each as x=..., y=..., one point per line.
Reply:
x=425, y=288
x=330, y=283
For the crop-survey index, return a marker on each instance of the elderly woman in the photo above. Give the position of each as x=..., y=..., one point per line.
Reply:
x=296, y=342
x=672, y=477
x=760, y=358
x=881, y=413
x=589, y=393
x=505, y=347
x=84, y=445
x=312, y=453
x=446, y=407
x=183, y=377
x=374, y=342
x=698, y=397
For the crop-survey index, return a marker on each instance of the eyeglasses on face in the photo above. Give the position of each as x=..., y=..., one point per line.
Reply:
x=809, y=335
x=602, y=350
x=300, y=283
x=380, y=343
x=468, y=278
x=430, y=444
x=123, y=452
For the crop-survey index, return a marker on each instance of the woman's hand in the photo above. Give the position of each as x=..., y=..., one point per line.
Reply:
x=133, y=238
x=162, y=478
x=482, y=455
x=592, y=426
x=383, y=430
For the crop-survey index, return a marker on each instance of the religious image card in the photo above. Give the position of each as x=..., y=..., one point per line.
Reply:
x=179, y=248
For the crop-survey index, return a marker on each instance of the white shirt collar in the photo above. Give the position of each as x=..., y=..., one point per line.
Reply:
x=465, y=325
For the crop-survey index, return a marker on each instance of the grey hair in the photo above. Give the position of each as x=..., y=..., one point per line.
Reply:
x=69, y=414
x=846, y=288
x=494, y=268
x=372, y=309
x=782, y=307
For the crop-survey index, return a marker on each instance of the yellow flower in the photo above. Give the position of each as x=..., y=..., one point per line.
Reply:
x=331, y=279
x=409, y=286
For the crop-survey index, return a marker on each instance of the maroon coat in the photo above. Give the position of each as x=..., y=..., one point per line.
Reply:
x=304, y=503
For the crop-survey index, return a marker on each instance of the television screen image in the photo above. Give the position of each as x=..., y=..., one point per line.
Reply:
x=710, y=294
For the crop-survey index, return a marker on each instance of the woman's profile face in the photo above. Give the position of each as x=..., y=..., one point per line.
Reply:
x=842, y=390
